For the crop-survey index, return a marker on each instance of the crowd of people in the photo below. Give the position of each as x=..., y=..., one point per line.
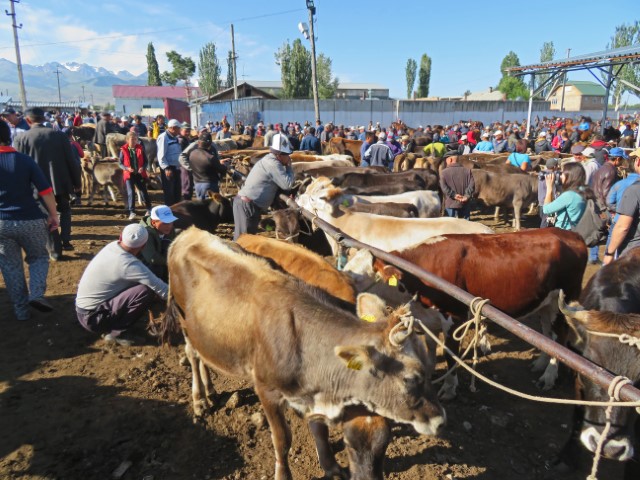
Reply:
x=40, y=178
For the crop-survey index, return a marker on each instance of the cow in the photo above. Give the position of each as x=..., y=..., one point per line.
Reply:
x=115, y=141
x=292, y=343
x=103, y=173
x=496, y=267
x=427, y=202
x=389, y=209
x=506, y=190
x=299, y=167
x=344, y=146
x=607, y=309
x=423, y=179
x=304, y=157
x=335, y=171
x=287, y=225
x=385, y=233
x=205, y=214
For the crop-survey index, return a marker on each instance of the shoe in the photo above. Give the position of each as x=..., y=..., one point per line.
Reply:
x=41, y=304
x=54, y=257
x=123, y=342
x=132, y=216
x=594, y=262
x=68, y=247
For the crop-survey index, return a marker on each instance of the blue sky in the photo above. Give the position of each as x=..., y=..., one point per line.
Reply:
x=465, y=40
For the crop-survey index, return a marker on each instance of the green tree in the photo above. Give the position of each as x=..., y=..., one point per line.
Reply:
x=625, y=36
x=512, y=87
x=326, y=85
x=547, y=52
x=153, y=72
x=209, y=69
x=295, y=70
x=424, y=76
x=183, y=69
x=411, y=70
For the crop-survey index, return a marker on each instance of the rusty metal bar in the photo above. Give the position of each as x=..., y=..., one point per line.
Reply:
x=596, y=373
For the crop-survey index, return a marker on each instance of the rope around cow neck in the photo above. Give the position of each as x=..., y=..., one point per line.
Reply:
x=614, y=391
x=622, y=338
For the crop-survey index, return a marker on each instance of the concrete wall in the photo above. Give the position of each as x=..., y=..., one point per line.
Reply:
x=361, y=112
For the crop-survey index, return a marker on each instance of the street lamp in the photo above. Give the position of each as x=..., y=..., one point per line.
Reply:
x=308, y=34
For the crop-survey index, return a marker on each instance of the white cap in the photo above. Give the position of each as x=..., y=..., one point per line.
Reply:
x=382, y=136
x=134, y=235
x=163, y=213
x=281, y=143
x=463, y=137
x=484, y=135
x=173, y=123
x=497, y=132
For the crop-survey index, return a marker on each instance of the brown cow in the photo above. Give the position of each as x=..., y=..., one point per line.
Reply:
x=105, y=173
x=292, y=343
x=496, y=267
x=344, y=146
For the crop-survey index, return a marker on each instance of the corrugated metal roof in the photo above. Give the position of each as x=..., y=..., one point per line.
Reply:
x=341, y=86
x=605, y=55
x=143, y=91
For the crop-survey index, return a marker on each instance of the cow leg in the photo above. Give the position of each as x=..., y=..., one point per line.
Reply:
x=92, y=191
x=112, y=193
x=139, y=195
x=448, y=389
x=327, y=460
x=199, y=403
x=544, y=362
x=517, y=206
x=105, y=195
x=280, y=432
x=496, y=215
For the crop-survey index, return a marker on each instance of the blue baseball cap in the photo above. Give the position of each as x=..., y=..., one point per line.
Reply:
x=618, y=152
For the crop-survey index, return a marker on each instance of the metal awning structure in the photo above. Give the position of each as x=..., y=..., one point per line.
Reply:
x=608, y=62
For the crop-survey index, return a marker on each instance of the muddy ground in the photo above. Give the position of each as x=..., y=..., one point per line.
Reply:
x=73, y=408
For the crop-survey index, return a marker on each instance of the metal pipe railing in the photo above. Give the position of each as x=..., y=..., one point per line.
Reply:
x=594, y=372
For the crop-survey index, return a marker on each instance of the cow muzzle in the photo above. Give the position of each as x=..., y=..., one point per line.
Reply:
x=619, y=449
x=432, y=426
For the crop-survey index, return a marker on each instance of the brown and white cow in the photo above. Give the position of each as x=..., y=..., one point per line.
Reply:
x=115, y=141
x=521, y=274
x=105, y=174
x=291, y=343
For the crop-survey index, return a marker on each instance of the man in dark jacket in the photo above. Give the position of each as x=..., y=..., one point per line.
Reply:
x=458, y=186
x=52, y=152
x=104, y=127
x=310, y=142
x=201, y=160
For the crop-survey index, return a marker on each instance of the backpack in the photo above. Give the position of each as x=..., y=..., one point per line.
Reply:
x=591, y=227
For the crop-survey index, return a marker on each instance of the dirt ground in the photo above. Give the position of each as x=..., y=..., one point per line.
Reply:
x=73, y=408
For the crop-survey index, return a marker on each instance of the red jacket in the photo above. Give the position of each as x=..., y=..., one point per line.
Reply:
x=125, y=160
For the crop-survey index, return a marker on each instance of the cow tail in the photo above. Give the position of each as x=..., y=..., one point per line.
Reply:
x=170, y=322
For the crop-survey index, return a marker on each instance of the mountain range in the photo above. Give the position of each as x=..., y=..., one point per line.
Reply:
x=41, y=82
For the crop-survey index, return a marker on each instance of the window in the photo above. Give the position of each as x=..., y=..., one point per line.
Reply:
x=146, y=106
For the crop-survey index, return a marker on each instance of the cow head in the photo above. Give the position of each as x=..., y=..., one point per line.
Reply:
x=287, y=224
x=609, y=353
x=221, y=206
x=395, y=373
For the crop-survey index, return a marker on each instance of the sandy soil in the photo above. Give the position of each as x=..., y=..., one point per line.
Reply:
x=73, y=408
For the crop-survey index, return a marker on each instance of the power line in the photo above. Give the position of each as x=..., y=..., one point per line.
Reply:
x=153, y=32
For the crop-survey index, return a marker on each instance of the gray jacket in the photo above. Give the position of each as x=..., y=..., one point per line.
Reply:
x=264, y=179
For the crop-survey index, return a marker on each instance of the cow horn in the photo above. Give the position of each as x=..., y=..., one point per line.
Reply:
x=578, y=312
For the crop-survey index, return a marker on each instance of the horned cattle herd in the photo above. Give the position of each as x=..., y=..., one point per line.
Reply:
x=336, y=345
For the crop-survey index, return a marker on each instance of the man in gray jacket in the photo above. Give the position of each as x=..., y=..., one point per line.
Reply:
x=272, y=172
x=52, y=152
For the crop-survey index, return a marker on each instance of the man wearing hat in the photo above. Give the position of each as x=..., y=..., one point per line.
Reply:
x=261, y=186
x=159, y=225
x=589, y=163
x=499, y=143
x=16, y=123
x=484, y=145
x=103, y=128
x=116, y=288
x=542, y=144
x=379, y=154
x=169, y=151
x=202, y=161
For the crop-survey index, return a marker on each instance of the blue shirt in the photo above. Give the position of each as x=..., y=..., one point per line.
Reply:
x=310, y=142
x=18, y=172
x=569, y=206
x=518, y=159
x=484, y=146
x=618, y=188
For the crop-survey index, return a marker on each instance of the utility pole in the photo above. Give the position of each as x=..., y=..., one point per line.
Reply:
x=84, y=99
x=58, y=75
x=233, y=64
x=314, y=77
x=23, y=94
x=564, y=82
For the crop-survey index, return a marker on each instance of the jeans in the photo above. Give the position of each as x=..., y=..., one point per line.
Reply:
x=593, y=254
x=136, y=181
x=462, y=212
x=201, y=189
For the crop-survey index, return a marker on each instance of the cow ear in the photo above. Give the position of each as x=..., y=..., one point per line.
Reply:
x=390, y=274
x=356, y=357
x=370, y=307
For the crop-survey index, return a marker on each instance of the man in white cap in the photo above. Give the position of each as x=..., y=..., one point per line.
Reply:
x=159, y=225
x=169, y=151
x=379, y=154
x=116, y=288
x=272, y=172
x=499, y=143
x=484, y=145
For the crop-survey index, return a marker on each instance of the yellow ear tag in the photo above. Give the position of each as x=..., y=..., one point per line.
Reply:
x=368, y=318
x=393, y=281
x=354, y=364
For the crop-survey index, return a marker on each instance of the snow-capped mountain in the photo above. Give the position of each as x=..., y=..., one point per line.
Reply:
x=41, y=81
